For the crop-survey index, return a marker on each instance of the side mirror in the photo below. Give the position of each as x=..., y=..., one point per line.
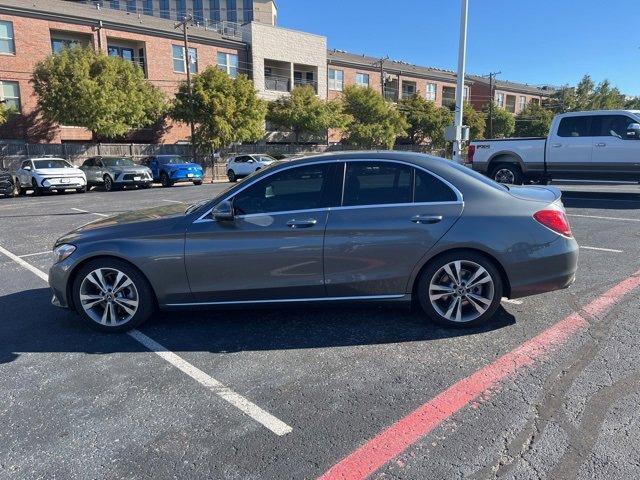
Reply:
x=251, y=160
x=223, y=212
x=28, y=168
x=633, y=131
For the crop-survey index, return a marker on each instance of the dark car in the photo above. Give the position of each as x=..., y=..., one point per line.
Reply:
x=171, y=169
x=7, y=186
x=366, y=227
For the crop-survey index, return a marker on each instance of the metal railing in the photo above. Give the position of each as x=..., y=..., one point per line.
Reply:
x=277, y=84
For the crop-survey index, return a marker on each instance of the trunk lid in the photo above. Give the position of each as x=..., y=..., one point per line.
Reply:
x=542, y=194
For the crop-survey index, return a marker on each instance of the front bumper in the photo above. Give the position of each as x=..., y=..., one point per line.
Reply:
x=184, y=177
x=62, y=184
x=58, y=281
x=134, y=179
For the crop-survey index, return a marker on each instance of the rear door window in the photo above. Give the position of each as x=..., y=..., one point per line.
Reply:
x=575, y=126
x=611, y=126
x=377, y=183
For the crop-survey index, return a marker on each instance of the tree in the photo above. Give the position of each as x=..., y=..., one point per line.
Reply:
x=533, y=121
x=503, y=122
x=586, y=96
x=633, y=104
x=303, y=112
x=474, y=120
x=374, y=122
x=107, y=95
x=426, y=121
x=4, y=113
x=225, y=110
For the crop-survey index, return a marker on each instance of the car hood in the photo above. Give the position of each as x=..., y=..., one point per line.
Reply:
x=59, y=172
x=182, y=166
x=536, y=193
x=129, y=169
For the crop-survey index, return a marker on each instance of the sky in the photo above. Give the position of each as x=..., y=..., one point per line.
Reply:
x=540, y=42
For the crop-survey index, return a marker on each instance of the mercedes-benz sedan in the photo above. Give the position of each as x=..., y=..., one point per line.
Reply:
x=349, y=227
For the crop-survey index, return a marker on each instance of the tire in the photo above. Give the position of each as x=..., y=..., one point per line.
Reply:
x=232, y=176
x=108, y=184
x=37, y=191
x=477, y=305
x=508, y=173
x=119, y=319
x=81, y=190
x=197, y=182
x=146, y=186
x=165, y=180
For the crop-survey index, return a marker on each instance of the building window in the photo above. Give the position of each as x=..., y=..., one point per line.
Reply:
x=535, y=101
x=198, y=11
x=179, y=60
x=465, y=94
x=500, y=99
x=10, y=95
x=131, y=6
x=59, y=44
x=7, y=44
x=247, y=11
x=408, y=89
x=523, y=102
x=449, y=96
x=115, y=4
x=181, y=9
x=511, y=103
x=232, y=11
x=431, y=92
x=214, y=10
x=122, y=52
x=147, y=7
x=228, y=62
x=336, y=79
x=362, y=79
x=165, y=9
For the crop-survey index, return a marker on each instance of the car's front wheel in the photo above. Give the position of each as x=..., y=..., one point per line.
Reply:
x=108, y=183
x=36, y=189
x=460, y=289
x=112, y=295
x=197, y=182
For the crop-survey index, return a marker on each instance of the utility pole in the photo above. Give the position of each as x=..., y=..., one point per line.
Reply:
x=492, y=76
x=381, y=62
x=187, y=60
x=462, y=58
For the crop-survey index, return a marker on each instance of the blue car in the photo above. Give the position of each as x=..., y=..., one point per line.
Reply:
x=170, y=169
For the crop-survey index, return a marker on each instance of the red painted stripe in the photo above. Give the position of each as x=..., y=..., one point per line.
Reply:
x=398, y=437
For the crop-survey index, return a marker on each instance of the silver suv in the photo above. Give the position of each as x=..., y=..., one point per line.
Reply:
x=116, y=172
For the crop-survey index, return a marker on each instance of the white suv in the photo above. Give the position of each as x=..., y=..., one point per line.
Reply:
x=47, y=174
x=245, y=165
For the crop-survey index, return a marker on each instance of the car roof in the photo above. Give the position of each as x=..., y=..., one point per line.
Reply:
x=47, y=158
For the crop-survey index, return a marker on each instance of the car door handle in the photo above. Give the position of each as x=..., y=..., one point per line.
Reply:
x=556, y=145
x=426, y=219
x=601, y=144
x=306, y=223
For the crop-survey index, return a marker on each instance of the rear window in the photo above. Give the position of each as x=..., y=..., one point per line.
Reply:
x=575, y=127
x=429, y=189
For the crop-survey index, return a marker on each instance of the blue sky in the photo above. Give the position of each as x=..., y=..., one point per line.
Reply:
x=532, y=41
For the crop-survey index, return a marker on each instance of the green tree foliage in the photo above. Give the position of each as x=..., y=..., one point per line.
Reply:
x=374, y=122
x=633, y=104
x=504, y=124
x=303, y=112
x=224, y=110
x=587, y=96
x=4, y=113
x=426, y=121
x=533, y=121
x=474, y=120
x=107, y=95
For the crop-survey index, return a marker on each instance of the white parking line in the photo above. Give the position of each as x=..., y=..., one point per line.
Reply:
x=512, y=301
x=34, y=254
x=604, y=218
x=86, y=211
x=261, y=416
x=599, y=249
x=170, y=201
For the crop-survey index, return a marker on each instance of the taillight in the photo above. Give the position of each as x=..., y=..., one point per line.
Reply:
x=472, y=152
x=554, y=220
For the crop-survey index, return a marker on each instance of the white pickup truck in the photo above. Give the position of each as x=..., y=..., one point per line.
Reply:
x=596, y=145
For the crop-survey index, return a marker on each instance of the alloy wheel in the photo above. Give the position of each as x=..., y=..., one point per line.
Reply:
x=109, y=297
x=504, y=175
x=461, y=291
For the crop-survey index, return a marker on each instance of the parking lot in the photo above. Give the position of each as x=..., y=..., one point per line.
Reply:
x=549, y=389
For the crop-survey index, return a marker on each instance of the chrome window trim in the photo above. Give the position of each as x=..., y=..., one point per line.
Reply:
x=290, y=300
x=459, y=199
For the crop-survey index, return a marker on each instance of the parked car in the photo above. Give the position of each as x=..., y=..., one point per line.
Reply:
x=244, y=165
x=171, y=169
x=397, y=227
x=116, y=172
x=7, y=185
x=597, y=145
x=49, y=174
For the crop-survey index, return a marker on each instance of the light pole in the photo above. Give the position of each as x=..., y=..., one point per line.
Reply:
x=462, y=58
x=187, y=61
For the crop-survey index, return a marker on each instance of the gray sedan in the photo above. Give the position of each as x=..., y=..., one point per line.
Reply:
x=116, y=172
x=351, y=227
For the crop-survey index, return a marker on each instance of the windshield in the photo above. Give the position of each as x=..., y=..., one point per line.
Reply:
x=265, y=158
x=52, y=163
x=117, y=162
x=172, y=160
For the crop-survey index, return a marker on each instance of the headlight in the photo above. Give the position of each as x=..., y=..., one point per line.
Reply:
x=63, y=251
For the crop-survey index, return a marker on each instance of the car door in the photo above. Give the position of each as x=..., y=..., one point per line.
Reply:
x=615, y=156
x=153, y=165
x=391, y=215
x=90, y=170
x=24, y=174
x=240, y=166
x=272, y=249
x=569, y=150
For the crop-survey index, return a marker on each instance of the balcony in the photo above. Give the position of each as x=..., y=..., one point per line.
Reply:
x=277, y=84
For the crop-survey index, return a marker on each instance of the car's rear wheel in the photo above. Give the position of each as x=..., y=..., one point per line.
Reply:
x=112, y=296
x=232, y=176
x=460, y=289
x=197, y=182
x=108, y=183
x=165, y=180
x=508, y=173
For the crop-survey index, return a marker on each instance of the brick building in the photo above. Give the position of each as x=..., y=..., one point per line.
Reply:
x=511, y=96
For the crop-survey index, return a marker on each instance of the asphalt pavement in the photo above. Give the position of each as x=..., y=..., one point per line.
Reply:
x=549, y=389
